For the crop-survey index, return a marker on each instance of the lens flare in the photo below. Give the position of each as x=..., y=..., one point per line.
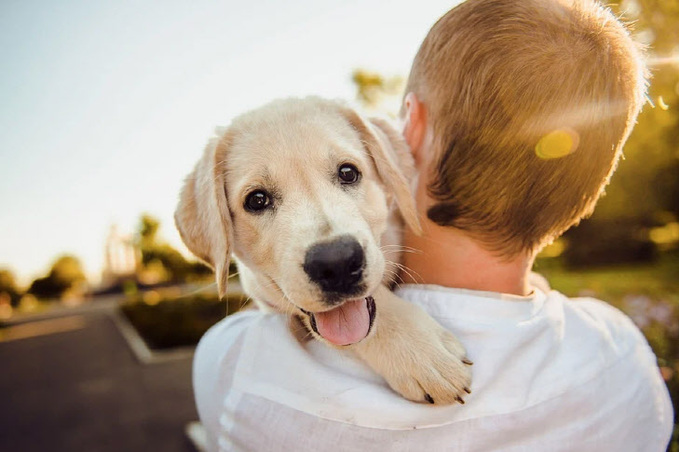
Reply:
x=556, y=144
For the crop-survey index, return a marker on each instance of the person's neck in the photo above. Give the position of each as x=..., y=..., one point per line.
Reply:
x=449, y=257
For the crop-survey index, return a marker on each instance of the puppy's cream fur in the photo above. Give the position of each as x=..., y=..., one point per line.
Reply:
x=292, y=148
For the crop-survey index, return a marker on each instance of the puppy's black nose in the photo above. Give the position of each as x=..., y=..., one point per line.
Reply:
x=336, y=266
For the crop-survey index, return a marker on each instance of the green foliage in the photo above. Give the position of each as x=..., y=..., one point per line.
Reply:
x=66, y=274
x=175, y=322
x=609, y=241
x=156, y=254
x=8, y=286
x=148, y=230
x=657, y=280
x=666, y=187
x=375, y=91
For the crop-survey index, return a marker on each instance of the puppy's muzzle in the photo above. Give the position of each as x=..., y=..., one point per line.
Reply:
x=336, y=266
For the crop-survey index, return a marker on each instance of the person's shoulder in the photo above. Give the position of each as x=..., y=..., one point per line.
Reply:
x=632, y=380
x=603, y=317
x=228, y=333
x=221, y=339
x=218, y=357
x=606, y=334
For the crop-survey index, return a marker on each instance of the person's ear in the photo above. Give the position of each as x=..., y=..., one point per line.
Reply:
x=415, y=125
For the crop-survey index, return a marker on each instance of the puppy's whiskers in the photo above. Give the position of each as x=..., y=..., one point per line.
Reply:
x=393, y=249
x=416, y=277
x=394, y=277
x=207, y=287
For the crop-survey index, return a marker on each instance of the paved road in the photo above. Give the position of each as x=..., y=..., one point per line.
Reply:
x=78, y=387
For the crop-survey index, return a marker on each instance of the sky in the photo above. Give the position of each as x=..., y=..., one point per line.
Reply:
x=106, y=106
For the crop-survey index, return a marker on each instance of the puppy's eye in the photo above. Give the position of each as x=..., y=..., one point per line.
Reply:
x=348, y=174
x=257, y=200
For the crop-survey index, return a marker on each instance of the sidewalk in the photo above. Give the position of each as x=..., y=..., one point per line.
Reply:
x=76, y=386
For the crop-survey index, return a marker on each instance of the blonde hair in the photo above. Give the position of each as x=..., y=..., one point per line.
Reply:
x=505, y=80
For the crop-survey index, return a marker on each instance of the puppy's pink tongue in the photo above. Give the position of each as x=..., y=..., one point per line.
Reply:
x=346, y=324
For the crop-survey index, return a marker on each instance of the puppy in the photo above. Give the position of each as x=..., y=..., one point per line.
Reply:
x=311, y=198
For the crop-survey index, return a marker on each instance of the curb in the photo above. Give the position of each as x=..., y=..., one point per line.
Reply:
x=140, y=349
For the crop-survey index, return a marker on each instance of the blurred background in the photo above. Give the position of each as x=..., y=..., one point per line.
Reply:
x=106, y=106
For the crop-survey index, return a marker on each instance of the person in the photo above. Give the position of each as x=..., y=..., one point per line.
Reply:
x=516, y=113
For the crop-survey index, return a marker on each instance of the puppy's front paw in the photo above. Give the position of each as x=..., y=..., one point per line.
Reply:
x=434, y=369
x=417, y=357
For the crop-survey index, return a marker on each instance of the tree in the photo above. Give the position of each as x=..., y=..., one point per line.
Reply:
x=65, y=275
x=148, y=230
x=162, y=258
x=8, y=286
x=377, y=92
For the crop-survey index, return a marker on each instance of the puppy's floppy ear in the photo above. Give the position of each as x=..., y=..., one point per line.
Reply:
x=202, y=216
x=392, y=159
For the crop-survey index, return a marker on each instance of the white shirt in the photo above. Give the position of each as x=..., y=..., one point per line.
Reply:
x=549, y=374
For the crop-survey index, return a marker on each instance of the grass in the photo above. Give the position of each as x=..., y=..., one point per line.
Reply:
x=658, y=281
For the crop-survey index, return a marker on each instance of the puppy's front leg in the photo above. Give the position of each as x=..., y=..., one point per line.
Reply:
x=418, y=358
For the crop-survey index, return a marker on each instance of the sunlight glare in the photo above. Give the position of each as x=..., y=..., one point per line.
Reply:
x=556, y=144
x=660, y=61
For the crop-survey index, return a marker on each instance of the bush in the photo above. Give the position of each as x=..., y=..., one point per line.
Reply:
x=8, y=287
x=65, y=275
x=605, y=242
x=175, y=322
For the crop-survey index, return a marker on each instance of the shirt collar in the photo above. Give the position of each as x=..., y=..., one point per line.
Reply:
x=475, y=305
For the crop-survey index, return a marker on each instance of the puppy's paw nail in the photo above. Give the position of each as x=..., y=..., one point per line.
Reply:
x=467, y=390
x=459, y=400
x=466, y=361
x=428, y=398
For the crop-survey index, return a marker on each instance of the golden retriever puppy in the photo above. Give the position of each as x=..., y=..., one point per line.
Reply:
x=311, y=198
